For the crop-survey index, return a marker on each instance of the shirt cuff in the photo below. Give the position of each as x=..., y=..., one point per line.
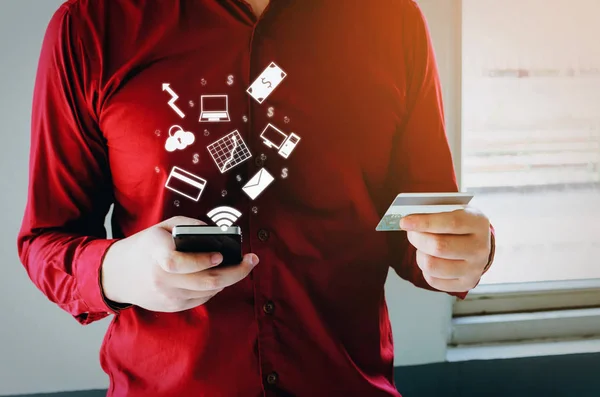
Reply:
x=88, y=274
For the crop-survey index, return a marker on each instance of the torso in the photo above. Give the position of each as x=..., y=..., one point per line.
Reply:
x=323, y=263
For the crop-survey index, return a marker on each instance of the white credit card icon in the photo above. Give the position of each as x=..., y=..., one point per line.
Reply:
x=266, y=83
x=185, y=183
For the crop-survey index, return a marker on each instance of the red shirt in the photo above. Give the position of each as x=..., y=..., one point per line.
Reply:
x=361, y=91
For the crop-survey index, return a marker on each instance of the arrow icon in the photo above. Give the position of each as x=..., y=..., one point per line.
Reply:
x=167, y=87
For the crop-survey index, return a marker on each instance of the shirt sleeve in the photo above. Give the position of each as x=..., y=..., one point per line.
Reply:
x=62, y=240
x=422, y=160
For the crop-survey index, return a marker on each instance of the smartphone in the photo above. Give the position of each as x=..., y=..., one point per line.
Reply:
x=205, y=238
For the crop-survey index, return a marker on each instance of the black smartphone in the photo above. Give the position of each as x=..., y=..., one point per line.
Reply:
x=205, y=238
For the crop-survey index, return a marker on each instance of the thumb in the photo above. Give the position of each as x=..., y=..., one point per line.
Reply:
x=170, y=223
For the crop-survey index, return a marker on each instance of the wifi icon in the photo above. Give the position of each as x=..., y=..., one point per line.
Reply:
x=224, y=216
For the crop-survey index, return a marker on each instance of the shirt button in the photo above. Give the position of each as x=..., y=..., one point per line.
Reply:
x=263, y=235
x=269, y=307
x=259, y=161
x=272, y=378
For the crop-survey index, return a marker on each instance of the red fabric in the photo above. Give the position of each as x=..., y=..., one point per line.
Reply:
x=363, y=94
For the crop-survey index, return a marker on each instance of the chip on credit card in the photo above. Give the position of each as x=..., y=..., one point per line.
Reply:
x=421, y=203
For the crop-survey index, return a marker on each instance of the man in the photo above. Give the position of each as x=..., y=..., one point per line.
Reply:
x=362, y=92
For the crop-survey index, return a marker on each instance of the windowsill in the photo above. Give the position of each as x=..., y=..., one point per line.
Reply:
x=517, y=327
x=533, y=287
x=529, y=297
x=524, y=349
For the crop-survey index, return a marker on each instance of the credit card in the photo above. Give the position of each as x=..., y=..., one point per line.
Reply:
x=421, y=203
x=266, y=83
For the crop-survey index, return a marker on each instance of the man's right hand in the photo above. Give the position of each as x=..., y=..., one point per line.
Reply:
x=145, y=270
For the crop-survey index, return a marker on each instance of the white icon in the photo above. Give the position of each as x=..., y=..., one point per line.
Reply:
x=229, y=151
x=224, y=216
x=214, y=108
x=266, y=83
x=284, y=173
x=196, y=159
x=179, y=140
x=258, y=183
x=167, y=87
x=230, y=79
x=185, y=183
x=271, y=112
x=275, y=138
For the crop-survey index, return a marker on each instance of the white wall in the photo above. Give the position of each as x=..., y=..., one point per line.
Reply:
x=42, y=349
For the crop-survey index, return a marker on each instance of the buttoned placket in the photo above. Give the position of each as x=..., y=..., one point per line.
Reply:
x=261, y=278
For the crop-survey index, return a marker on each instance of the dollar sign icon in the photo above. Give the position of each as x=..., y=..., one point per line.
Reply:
x=238, y=178
x=265, y=82
x=284, y=173
x=191, y=104
x=271, y=111
x=245, y=119
x=230, y=79
x=196, y=158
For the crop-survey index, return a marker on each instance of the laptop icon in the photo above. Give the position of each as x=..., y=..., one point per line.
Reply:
x=214, y=108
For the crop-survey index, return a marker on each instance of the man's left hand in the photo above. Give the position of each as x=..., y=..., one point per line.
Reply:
x=453, y=248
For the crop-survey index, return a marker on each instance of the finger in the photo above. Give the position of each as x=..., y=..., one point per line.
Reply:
x=170, y=223
x=441, y=268
x=175, y=262
x=457, y=285
x=445, y=246
x=455, y=222
x=214, y=279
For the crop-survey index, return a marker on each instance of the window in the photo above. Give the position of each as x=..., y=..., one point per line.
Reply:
x=531, y=134
x=530, y=151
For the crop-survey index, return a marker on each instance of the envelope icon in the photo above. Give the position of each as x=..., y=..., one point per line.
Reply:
x=258, y=183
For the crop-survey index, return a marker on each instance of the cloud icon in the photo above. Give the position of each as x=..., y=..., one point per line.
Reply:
x=178, y=140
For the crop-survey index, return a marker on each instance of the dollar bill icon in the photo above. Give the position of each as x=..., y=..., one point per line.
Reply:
x=266, y=83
